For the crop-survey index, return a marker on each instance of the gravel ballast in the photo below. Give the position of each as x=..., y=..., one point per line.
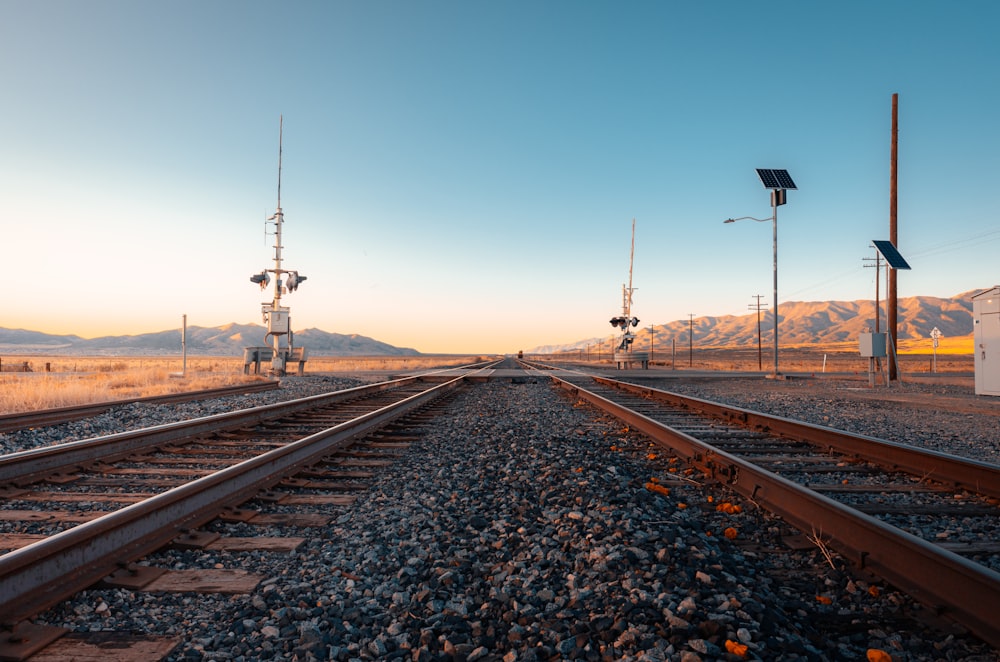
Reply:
x=524, y=526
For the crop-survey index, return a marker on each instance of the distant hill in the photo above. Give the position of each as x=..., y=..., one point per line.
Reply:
x=803, y=323
x=228, y=340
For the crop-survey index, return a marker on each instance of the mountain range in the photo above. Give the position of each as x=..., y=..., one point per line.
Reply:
x=801, y=323
x=226, y=340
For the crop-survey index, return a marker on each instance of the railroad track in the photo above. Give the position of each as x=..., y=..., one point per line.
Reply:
x=328, y=444
x=55, y=416
x=147, y=489
x=868, y=499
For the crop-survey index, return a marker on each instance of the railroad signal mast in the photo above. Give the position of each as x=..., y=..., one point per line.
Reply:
x=623, y=354
x=278, y=317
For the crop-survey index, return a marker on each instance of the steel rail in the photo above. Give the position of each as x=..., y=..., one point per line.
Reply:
x=952, y=586
x=976, y=476
x=44, y=573
x=28, y=466
x=54, y=416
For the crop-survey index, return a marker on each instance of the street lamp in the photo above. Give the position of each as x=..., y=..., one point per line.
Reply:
x=777, y=181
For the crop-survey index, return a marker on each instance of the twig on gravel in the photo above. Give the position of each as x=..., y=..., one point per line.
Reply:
x=816, y=539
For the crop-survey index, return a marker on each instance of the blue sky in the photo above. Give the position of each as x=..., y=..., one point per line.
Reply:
x=462, y=176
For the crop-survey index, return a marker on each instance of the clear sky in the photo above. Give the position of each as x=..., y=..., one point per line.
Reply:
x=462, y=176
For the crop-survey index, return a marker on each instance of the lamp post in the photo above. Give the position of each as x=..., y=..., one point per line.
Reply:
x=774, y=220
x=777, y=181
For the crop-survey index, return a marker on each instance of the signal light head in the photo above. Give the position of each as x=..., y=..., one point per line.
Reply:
x=294, y=280
x=261, y=279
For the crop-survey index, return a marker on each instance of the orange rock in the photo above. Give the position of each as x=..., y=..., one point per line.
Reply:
x=736, y=648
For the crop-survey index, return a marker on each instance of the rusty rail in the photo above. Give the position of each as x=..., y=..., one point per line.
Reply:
x=38, y=463
x=42, y=574
x=949, y=584
x=979, y=477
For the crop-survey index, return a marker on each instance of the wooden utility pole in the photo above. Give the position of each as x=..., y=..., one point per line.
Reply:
x=893, y=237
x=690, y=339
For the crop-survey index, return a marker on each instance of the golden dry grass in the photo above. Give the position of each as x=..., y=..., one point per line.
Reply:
x=66, y=381
x=916, y=356
x=21, y=392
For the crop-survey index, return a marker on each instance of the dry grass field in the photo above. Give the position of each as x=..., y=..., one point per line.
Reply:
x=29, y=383
x=954, y=355
x=63, y=381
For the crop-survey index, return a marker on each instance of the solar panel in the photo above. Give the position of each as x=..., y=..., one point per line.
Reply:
x=767, y=178
x=784, y=179
x=890, y=254
x=775, y=178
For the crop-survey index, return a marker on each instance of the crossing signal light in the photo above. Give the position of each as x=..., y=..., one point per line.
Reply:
x=261, y=279
x=294, y=280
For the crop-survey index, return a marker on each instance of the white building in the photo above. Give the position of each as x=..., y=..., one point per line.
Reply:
x=986, y=319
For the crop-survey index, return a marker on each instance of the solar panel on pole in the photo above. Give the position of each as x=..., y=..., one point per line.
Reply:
x=775, y=178
x=890, y=254
x=784, y=179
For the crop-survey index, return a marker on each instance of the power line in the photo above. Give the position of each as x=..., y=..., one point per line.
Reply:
x=956, y=244
x=983, y=237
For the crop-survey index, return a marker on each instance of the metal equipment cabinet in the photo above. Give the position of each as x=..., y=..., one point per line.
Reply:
x=986, y=318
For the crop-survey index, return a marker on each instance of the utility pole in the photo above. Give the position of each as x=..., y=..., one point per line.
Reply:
x=874, y=362
x=184, y=345
x=878, y=274
x=893, y=235
x=690, y=339
x=757, y=306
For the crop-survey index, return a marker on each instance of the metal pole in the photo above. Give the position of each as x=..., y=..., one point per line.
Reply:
x=774, y=206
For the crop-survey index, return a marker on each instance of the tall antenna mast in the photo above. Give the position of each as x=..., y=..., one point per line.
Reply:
x=631, y=257
x=624, y=354
x=276, y=316
x=281, y=130
x=278, y=219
